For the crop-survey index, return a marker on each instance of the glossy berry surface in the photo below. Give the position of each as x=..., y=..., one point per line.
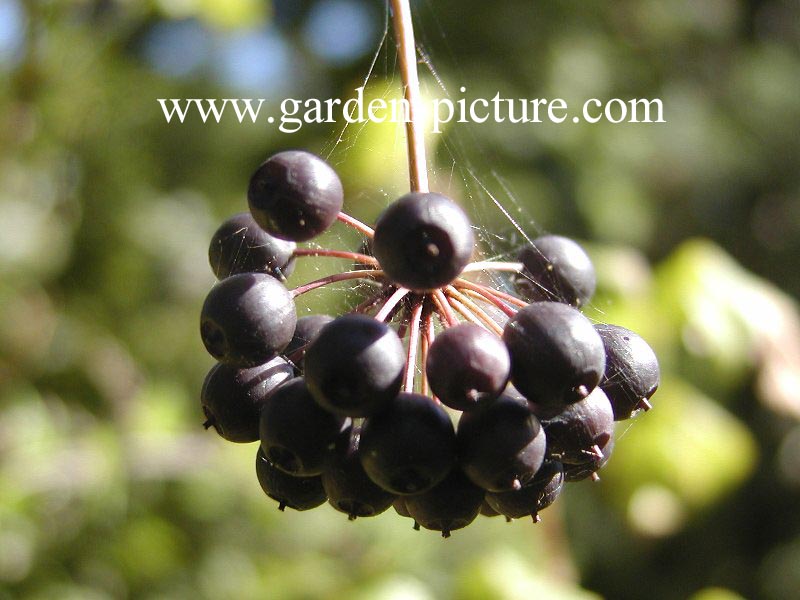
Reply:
x=557, y=357
x=298, y=493
x=582, y=430
x=535, y=496
x=355, y=365
x=501, y=445
x=452, y=504
x=632, y=373
x=232, y=398
x=557, y=269
x=247, y=319
x=467, y=366
x=423, y=241
x=241, y=246
x=295, y=195
x=589, y=468
x=296, y=434
x=348, y=487
x=409, y=446
x=305, y=332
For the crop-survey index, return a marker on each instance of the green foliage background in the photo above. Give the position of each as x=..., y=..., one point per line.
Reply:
x=109, y=487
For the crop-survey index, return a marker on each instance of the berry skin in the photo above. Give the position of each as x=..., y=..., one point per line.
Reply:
x=299, y=493
x=534, y=497
x=632, y=373
x=467, y=366
x=348, y=488
x=400, y=507
x=452, y=504
x=556, y=268
x=295, y=195
x=241, y=246
x=557, y=357
x=423, y=241
x=305, y=332
x=501, y=445
x=580, y=433
x=409, y=446
x=296, y=434
x=588, y=469
x=355, y=366
x=232, y=398
x=247, y=319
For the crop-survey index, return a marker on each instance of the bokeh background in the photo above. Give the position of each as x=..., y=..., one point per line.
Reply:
x=109, y=486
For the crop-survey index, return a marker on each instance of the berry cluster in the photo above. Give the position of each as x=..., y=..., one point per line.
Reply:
x=359, y=410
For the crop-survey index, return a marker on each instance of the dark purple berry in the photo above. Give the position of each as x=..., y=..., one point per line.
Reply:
x=247, y=319
x=296, y=434
x=348, y=488
x=400, y=507
x=557, y=357
x=355, y=366
x=632, y=374
x=581, y=432
x=295, y=195
x=466, y=366
x=305, y=332
x=410, y=446
x=423, y=241
x=501, y=445
x=241, y=246
x=232, y=398
x=452, y=504
x=487, y=510
x=589, y=469
x=299, y=493
x=556, y=268
x=535, y=496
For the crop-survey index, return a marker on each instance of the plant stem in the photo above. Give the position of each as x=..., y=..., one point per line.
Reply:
x=482, y=315
x=390, y=304
x=413, y=342
x=312, y=285
x=444, y=309
x=490, y=265
x=407, y=55
x=354, y=256
x=356, y=224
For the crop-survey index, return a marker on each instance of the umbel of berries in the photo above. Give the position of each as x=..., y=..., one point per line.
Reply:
x=359, y=409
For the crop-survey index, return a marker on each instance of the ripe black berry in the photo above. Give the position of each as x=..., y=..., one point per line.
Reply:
x=355, y=366
x=410, y=446
x=581, y=432
x=232, y=398
x=632, y=374
x=556, y=268
x=241, y=246
x=467, y=365
x=535, y=496
x=452, y=504
x=295, y=195
x=501, y=445
x=296, y=434
x=595, y=462
x=305, y=332
x=348, y=488
x=423, y=241
x=299, y=493
x=557, y=356
x=247, y=319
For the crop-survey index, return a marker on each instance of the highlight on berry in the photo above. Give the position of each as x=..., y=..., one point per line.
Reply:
x=436, y=393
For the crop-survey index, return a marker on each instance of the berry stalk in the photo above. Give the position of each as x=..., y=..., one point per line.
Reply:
x=407, y=55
